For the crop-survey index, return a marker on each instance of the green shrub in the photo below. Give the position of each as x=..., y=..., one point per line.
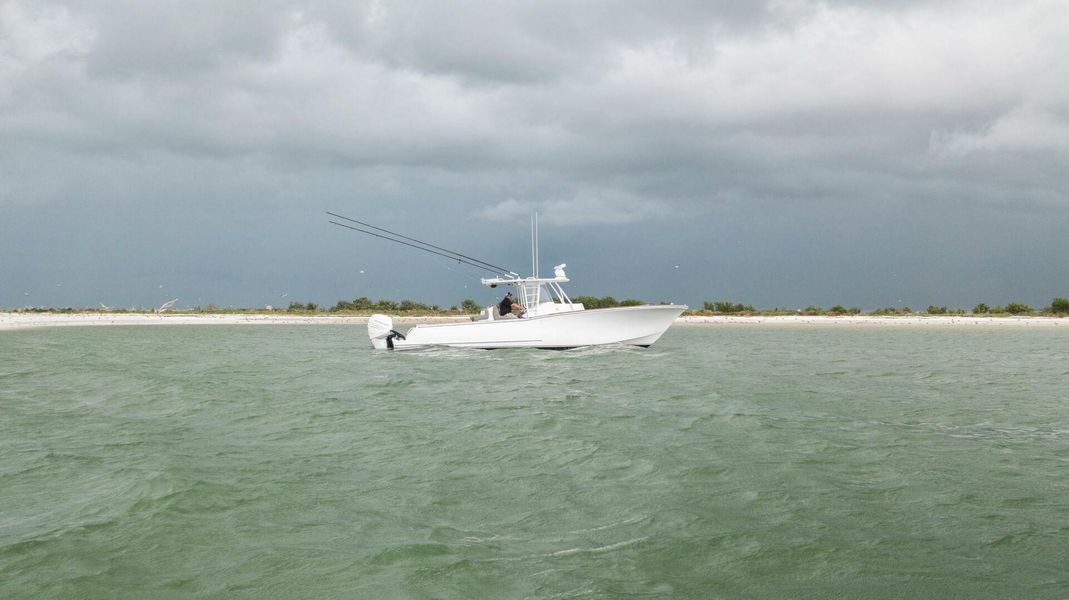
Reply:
x=413, y=306
x=727, y=307
x=937, y=310
x=1018, y=308
x=607, y=302
x=839, y=309
x=1059, y=306
x=892, y=310
x=361, y=303
x=981, y=309
x=385, y=306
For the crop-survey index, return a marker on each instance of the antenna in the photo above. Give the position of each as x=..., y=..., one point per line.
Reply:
x=534, y=245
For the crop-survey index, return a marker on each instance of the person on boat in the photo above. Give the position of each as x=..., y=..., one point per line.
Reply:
x=505, y=306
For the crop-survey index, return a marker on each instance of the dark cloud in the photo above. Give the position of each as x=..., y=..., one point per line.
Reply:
x=169, y=39
x=779, y=152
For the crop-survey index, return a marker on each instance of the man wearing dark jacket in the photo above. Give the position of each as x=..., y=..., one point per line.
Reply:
x=505, y=307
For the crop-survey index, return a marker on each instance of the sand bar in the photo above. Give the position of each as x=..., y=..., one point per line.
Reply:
x=10, y=320
x=25, y=320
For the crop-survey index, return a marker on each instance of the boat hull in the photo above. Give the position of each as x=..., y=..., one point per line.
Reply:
x=631, y=325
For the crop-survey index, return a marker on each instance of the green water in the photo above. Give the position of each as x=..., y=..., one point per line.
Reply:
x=724, y=462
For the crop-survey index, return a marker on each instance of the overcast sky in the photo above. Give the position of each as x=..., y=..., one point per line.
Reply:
x=783, y=153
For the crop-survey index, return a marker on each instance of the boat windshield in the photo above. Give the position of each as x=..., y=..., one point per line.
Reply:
x=539, y=295
x=535, y=293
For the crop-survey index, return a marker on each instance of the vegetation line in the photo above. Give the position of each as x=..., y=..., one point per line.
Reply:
x=364, y=306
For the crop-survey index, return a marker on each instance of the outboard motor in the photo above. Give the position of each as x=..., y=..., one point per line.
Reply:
x=380, y=331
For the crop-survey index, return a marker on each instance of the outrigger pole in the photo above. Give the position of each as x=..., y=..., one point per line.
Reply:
x=424, y=246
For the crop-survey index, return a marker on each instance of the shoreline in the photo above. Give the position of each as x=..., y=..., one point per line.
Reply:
x=13, y=321
x=879, y=321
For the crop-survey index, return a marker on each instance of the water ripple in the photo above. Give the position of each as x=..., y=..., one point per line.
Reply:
x=724, y=462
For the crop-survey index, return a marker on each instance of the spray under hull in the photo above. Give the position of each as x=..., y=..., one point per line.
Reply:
x=631, y=325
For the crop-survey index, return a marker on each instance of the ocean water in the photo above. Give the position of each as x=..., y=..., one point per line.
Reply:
x=724, y=462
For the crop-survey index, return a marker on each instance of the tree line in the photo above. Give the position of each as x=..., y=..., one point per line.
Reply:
x=466, y=306
x=1058, y=306
x=365, y=304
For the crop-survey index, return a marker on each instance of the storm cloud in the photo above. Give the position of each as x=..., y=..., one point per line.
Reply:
x=780, y=153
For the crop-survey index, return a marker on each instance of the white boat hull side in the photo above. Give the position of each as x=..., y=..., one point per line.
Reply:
x=634, y=325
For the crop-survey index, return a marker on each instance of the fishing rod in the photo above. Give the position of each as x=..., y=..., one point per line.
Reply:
x=442, y=254
x=451, y=255
x=393, y=233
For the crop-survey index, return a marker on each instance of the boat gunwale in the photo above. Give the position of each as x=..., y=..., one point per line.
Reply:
x=681, y=307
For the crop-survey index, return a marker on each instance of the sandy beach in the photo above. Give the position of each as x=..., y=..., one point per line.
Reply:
x=10, y=320
x=16, y=320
